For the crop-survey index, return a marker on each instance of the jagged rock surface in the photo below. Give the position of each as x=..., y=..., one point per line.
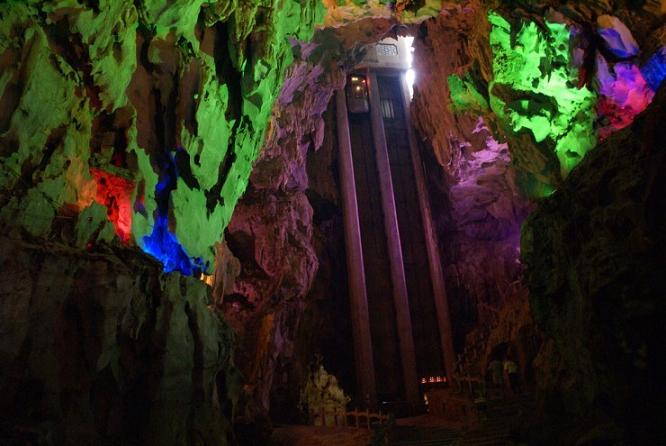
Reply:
x=272, y=230
x=486, y=173
x=476, y=204
x=595, y=255
x=275, y=233
x=102, y=348
x=158, y=98
x=104, y=105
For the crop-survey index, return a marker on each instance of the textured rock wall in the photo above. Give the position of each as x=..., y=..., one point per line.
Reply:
x=476, y=205
x=287, y=229
x=139, y=123
x=564, y=78
x=101, y=348
x=478, y=201
x=508, y=100
x=272, y=231
x=340, y=12
x=595, y=259
x=136, y=124
x=146, y=114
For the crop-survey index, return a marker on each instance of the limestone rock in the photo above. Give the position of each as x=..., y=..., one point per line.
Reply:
x=617, y=37
x=476, y=204
x=341, y=12
x=595, y=259
x=101, y=348
x=148, y=95
x=275, y=234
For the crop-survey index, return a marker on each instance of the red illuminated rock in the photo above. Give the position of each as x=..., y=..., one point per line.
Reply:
x=115, y=192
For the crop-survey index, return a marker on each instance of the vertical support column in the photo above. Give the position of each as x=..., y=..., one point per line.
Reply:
x=400, y=296
x=432, y=246
x=365, y=369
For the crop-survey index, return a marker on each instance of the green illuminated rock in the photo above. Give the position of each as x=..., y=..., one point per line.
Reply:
x=262, y=76
x=119, y=86
x=535, y=96
x=110, y=36
x=465, y=96
x=406, y=11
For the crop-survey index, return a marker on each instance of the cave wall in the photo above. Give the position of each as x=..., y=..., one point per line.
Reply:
x=485, y=174
x=127, y=127
x=343, y=12
x=101, y=348
x=275, y=234
x=138, y=125
x=509, y=97
x=138, y=122
x=595, y=256
x=477, y=206
x=286, y=231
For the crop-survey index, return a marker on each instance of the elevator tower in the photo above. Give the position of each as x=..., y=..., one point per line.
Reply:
x=399, y=310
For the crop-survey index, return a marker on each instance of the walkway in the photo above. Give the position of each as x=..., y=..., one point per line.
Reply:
x=495, y=428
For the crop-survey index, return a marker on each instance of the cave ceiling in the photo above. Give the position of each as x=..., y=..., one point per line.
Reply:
x=140, y=122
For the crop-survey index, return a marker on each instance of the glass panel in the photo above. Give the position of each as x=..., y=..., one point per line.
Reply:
x=387, y=50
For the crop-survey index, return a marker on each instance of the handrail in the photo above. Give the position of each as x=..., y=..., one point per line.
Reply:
x=344, y=415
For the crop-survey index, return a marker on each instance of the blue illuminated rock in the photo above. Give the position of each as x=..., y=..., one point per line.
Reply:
x=654, y=70
x=617, y=37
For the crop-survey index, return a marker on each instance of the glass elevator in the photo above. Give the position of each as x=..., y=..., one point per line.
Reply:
x=400, y=317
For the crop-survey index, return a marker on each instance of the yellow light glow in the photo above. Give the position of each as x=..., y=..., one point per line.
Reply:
x=208, y=279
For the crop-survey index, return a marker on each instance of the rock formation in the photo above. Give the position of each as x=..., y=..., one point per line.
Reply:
x=600, y=301
x=127, y=126
x=491, y=160
x=101, y=348
x=477, y=205
x=155, y=112
x=279, y=241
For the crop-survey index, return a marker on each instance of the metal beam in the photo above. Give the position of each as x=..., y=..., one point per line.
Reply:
x=432, y=245
x=364, y=364
x=400, y=296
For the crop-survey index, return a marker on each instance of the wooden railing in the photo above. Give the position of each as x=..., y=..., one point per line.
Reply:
x=354, y=418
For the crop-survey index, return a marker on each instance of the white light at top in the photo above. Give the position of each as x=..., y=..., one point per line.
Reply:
x=410, y=75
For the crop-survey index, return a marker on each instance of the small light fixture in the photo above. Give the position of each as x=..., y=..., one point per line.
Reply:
x=357, y=95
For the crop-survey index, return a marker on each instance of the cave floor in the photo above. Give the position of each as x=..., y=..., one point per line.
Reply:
x=320, y=436
x=497, y=425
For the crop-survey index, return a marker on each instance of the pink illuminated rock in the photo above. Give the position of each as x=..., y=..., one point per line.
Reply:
x=623, y=94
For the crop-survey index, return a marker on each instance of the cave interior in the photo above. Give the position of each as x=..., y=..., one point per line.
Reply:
x=332, y=222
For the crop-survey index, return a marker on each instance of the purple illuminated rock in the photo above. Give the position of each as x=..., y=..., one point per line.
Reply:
x=617, y=37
